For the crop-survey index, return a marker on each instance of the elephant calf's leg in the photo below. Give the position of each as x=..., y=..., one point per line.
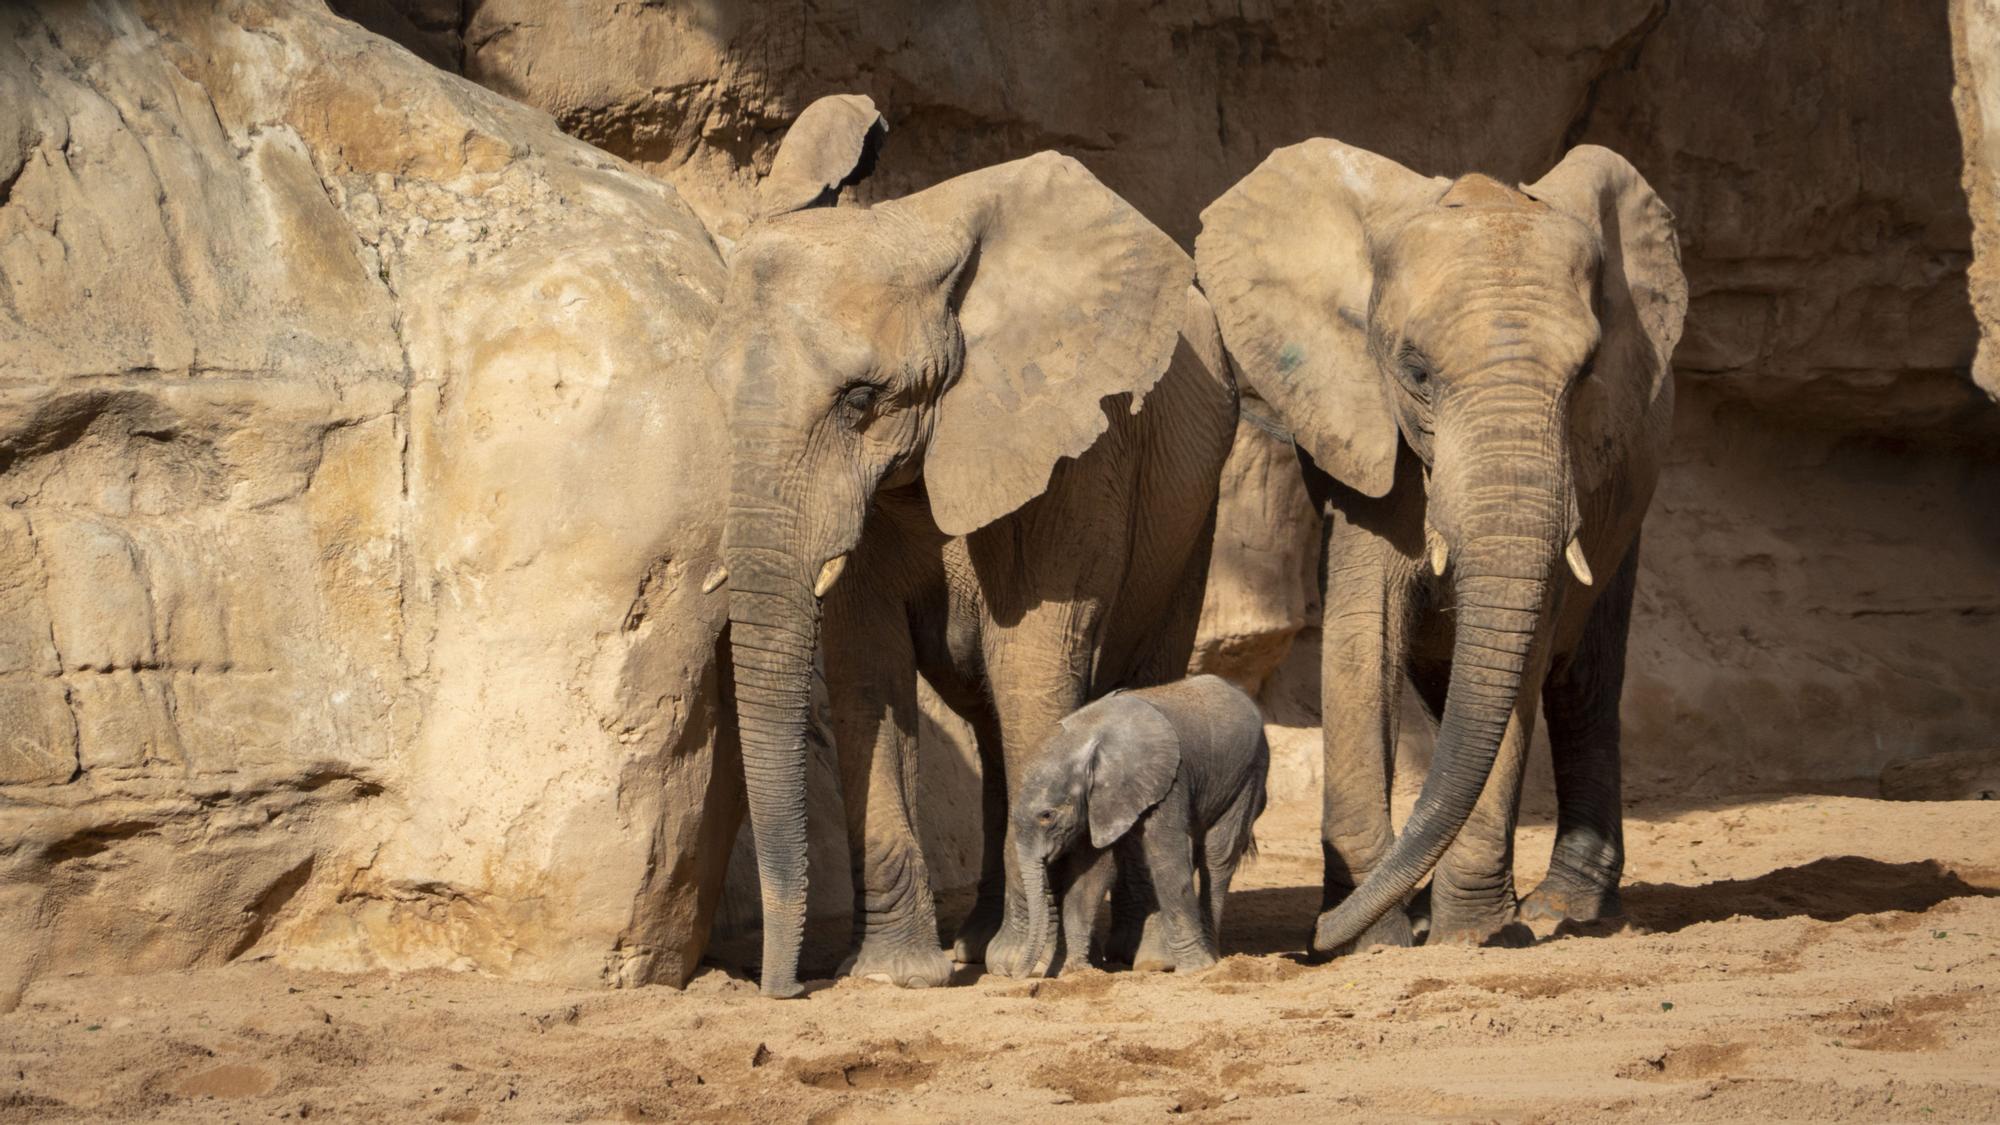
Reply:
x=1472, y=892
x=1582, y=700
x=1137, y=938
x=1082, y=899
x=1167, y=850
x=1222, y=849
x=871, y=677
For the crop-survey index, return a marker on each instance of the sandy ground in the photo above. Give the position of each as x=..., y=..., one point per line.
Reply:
x=1795, y=958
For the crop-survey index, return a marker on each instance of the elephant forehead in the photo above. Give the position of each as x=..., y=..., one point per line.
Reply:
x=831, y=248
x=1535, y=243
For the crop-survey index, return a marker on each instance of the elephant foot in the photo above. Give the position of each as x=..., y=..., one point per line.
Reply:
x=1476, y=921
x=1392, y=930
x=976, y=933
x=1555, y=908
x=1507, y=935
x=903, y=964
x=1554, y=902
x=1194, y=961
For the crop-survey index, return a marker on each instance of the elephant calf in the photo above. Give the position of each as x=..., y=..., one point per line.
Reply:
x=1168, y=781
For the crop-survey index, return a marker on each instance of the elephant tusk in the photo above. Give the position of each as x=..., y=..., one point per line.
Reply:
x=714, y=581
x=1439, y=551
x=1573, y=555
x=829, y=574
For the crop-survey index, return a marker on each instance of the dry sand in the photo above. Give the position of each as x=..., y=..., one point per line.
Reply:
x=1802, y=958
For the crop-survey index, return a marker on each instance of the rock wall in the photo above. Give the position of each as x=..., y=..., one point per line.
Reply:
x=359, y=478
x=1817, y=597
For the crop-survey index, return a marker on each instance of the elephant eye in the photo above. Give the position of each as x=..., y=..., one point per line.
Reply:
x=1045, y=816
x=857, y=401
x=1415, y=368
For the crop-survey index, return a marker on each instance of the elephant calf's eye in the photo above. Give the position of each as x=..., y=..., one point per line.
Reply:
x=1046, y=816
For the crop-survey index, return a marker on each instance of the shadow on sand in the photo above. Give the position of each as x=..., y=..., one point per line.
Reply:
x=1280, y=919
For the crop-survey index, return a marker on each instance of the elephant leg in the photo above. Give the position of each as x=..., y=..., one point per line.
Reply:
x=871, y=678
x=1037, y=675
x=1137, y=938
x=983, y=920
x=1582, y=697
x=1159, y=653
x=1223, y=847
x=1082, y=899
x=1472, y=892
x=1367, y=591
x=1164, y=845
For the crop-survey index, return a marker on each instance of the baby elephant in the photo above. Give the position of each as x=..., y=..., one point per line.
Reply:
x=1167, y=780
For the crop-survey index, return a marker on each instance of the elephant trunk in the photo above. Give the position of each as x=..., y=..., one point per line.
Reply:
x=1035, y=886
x=772, y=624
x=787, y=533
x=773, y=632
x=1501, y=507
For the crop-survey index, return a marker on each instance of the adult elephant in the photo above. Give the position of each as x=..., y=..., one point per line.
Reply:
x=1476, y=377
x=976, y=434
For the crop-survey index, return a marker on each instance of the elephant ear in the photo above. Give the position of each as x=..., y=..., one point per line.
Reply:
x=1285, y=258
x=1643, y=292
x=1066, y=295
x=1133, y=767
x=832, y=144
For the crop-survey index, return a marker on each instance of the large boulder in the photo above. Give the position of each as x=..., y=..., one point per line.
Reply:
x=359, y=483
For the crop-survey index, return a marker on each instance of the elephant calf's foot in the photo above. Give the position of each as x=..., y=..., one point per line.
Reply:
x=905, y=964
x=1007, y=951
x=1392, y=929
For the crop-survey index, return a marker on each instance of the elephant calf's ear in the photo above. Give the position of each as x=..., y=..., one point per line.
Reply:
x=1131, y=770
x=832, y=144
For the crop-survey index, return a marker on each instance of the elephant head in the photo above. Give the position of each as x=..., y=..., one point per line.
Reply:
x=1508, y=337
x=1103, y=769
x=961, y=340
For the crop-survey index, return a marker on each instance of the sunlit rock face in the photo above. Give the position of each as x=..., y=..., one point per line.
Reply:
x=359, y=483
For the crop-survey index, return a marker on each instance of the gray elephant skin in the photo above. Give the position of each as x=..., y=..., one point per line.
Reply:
x=976, y=434
x=1161, y=785
x=1477, y=379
